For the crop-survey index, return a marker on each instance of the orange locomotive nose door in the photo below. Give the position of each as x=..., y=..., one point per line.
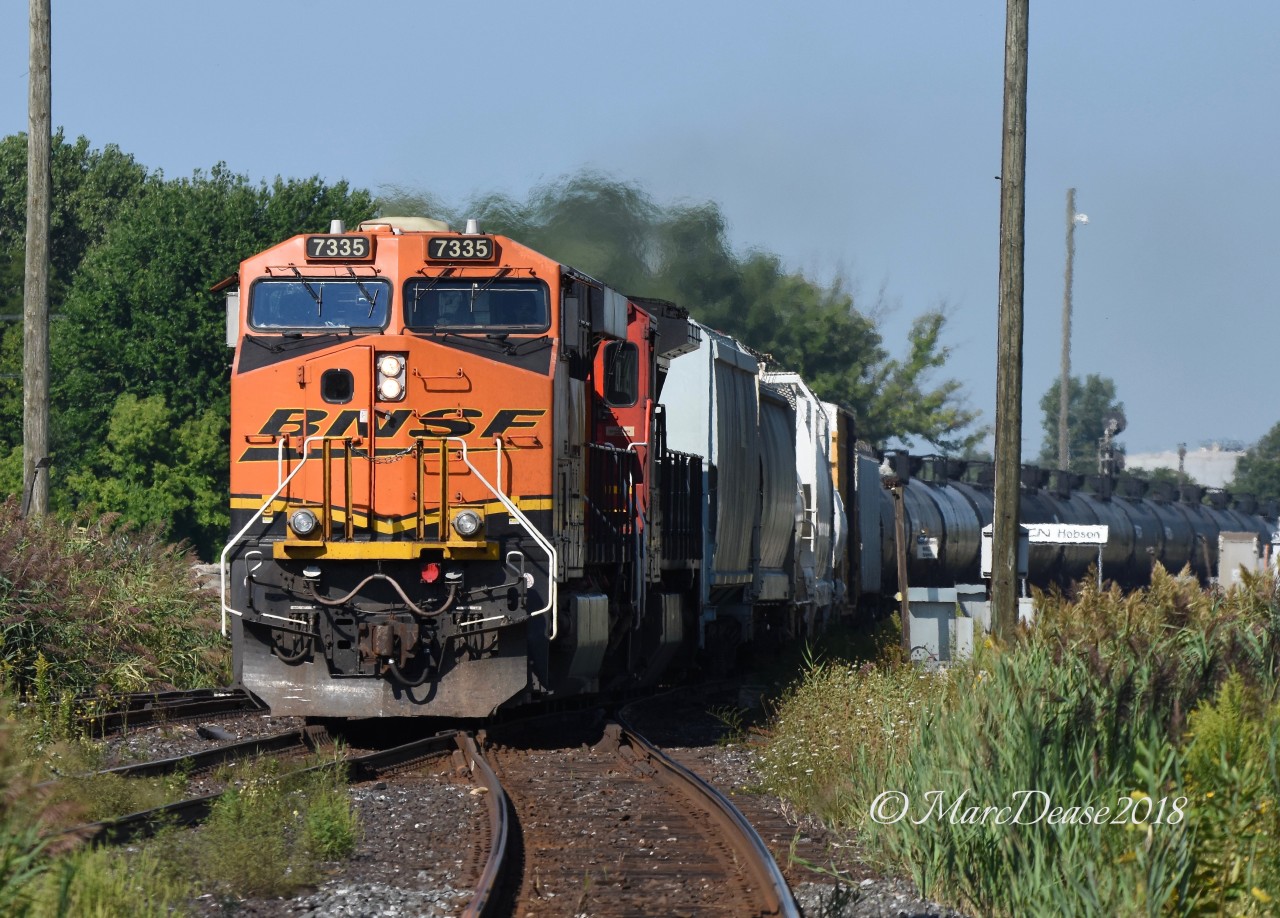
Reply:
x=337, y=386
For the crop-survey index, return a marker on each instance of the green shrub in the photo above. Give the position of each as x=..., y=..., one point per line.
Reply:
x=102, y=605
x=267, y=835
x=1231, y=757
x=22, y=842
x=841, y=724
x=332, y=828
x=1087, y=710
x=108, y=883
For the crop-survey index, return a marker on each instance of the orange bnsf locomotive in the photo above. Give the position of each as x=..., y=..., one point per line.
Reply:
x=452, y=488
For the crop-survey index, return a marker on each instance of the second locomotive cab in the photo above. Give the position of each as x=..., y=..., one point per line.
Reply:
x=455, y=488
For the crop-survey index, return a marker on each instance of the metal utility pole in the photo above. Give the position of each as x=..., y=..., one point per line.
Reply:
x=35, y=293
x=1008, y=446
x=1064, y=387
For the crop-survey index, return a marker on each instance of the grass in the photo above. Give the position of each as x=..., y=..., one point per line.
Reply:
x=1160, y=705
x=107, y=883
x=93, y=605
x=271, y=833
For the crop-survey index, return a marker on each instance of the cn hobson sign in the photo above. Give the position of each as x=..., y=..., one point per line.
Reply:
x=1067, y=534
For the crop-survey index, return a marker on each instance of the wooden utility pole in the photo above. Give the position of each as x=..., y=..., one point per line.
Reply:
x=1064, y=387
x=35, y=294
x=900, y=548
x=1008, y=446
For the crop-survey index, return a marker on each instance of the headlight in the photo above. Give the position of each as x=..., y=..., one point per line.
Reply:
x=466, y=523
x=390, y=365
x=303, y=522
x=391, y=376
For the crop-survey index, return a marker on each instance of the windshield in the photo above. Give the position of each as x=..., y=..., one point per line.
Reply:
x=497, y=304
x=306, y=303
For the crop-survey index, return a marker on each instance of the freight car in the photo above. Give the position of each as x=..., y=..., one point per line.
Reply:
x=465, y=477
x=948, y=502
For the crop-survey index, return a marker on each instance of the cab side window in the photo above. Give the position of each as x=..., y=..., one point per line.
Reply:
x=621, y=374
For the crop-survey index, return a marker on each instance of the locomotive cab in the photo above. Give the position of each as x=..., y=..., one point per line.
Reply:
x=440, y=476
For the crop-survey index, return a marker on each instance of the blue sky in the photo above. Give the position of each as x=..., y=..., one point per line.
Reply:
x=851, y=138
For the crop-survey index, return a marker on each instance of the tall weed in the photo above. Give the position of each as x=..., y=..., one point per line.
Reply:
x=1089, y=710
x=108, y=883
x=23, y=842
x=104, y=605
x=1231, y=760
x=268, y=835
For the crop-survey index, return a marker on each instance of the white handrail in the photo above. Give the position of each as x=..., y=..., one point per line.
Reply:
x=552, y=557
x=222, y=559
x=552, y=600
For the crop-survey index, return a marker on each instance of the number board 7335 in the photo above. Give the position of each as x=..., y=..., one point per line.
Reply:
x=339, y=248
x=461, y=248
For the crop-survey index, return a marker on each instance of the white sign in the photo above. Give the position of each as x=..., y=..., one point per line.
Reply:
x=926, y=548
x=1067, y=534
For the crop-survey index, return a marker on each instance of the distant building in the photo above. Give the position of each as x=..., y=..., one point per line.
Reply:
x=1212, y=466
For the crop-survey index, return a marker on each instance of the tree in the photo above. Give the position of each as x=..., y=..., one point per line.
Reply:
x=142, y=344
x=1089, y=403
x=90, y=187
x=1162, y=475
x=140, y=317
x=155, y=471
x=614, y=231
x=1258, y=470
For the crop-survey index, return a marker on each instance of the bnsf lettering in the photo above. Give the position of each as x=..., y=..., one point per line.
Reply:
x=343, y=423
x=299, y=423
x=510, y=417
x=288, y=422
x=447, y=422
x=389, y=423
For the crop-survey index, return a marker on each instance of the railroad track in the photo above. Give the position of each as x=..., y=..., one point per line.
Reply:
x=613, y=827
x=195, y=808
x=618, y=829
x=113, y=713
x=488, y=840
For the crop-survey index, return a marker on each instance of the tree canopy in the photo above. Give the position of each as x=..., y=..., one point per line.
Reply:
x=1258, y=470
x=139, y=379
x=1089, y=402
x=614, y=231
x=140, y=370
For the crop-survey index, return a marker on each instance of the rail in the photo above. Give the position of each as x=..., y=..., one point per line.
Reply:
x=124, y=829
x=119, y=712
x=484, y=901
x=752, y=850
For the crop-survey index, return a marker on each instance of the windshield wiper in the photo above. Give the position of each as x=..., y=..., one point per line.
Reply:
x=420, y=289
x=371, y=297
x=481, y=288
x=318, y=297
x=469, y=339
